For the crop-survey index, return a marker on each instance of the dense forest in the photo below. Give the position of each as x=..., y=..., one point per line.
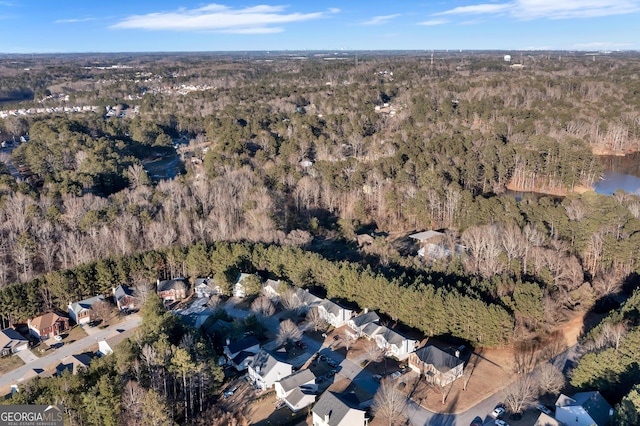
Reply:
x=311, y=152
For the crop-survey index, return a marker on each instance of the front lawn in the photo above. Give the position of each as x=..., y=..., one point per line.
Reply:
x=9, y=363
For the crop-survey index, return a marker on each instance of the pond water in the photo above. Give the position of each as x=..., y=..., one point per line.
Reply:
x=620, y=173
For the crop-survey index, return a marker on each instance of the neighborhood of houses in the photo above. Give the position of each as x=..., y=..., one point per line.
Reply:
x=299, y=376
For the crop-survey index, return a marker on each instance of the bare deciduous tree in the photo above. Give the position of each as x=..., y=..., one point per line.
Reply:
x=288, y=332
x=348, y=340
x=101, y=309
x=289, y=300
x=263, y=306
x=314, y=320
x=549, y=378
x=520, y=394
x=374, y=353
x=389, y=403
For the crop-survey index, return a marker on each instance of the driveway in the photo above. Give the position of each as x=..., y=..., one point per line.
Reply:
x=16, y=376
x=27, y=356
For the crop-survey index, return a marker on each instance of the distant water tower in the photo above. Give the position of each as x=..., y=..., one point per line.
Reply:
x=507, y=58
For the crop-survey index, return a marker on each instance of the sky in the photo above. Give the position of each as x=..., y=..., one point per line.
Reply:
x=47, y=26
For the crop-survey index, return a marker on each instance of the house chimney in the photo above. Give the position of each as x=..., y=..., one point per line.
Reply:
x=366, y=310
x=457, y=353
x=158, y=282
x=326, y=418
x=228, y=341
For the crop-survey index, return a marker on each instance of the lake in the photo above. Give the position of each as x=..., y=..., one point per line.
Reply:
x=620, y=173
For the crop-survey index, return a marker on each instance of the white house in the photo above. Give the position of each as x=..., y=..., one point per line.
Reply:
x=330, y=410
x=583, y=409
x=297, y=390
x=241, y=353
x=357, y=324
x=265, y=370
x=239, y=289
x=271, y=289
x=333, y=313
x=393, y=343
x=204, y=288
x=106, y=346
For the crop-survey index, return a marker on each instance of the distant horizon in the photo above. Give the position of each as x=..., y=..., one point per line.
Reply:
x=42, y=27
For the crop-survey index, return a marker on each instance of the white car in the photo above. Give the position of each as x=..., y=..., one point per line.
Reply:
x=498, y=412
x=58, y=338
x=544, y=409
x=501, y=423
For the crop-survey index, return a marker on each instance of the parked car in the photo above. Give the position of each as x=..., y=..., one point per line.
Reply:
x=477, y=421
x=498, y=411
x=301, y=344
x=544, y=409
x=377, y=377
x=58, y=338
x=331, y=373
x=94, y=323
x=230, y=392
x=501, y=423
x=395, y=374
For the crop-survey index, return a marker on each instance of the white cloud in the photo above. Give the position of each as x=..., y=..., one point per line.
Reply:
x=262, y=19
x=596, y=45
x=71, y=21
x=379, y=20
x=433, y=22
x=549, y=9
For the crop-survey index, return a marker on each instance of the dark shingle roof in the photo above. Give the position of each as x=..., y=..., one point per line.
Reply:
x=243, y=344
x=177, y=284
x=592, y=402
x=438, y=358
x=122, y=291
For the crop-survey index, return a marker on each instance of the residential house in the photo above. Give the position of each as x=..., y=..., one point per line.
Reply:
x=331, y=410
x=106, y=346
x=12, y=342
x=433, y=245
x=80, y=311
x=436, y=365
x=73, y=363
x=583, y=409
x=333, y=313
x=47, y=325
x=241, y=353
x=265, y=370
x=306, y=299
x=297, y=390
x=204, y=288
x=546, y=420
x=393, y=343
x=271, y=289
x=358, y=323
x=172, y=290
x=124, y=298
x=239, y=289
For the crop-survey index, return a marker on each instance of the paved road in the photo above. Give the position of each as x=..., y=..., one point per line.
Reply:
x=76, y=347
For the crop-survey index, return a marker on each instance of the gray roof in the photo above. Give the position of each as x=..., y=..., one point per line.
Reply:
x=297, y=379
x=391, y=336
x=118, y=336
x=122, y=291
x=426, y=235
x=85, y=304
x=592, y=402
x=176, y=283
x=438, y=358
x=371, y=329
x=240, y=345
x=330, y=404
x=332, y=307
x=546, y=420
x=295, y=397
x=202, y=281
x=273, y=284
x=307, y=298
x=263, y=362
x=369, y=317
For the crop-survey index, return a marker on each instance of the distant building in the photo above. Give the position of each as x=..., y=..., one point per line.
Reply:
x=331, y=410
x=172, y=290
x=80, y=311
x=507, y=58
x=11, y=342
